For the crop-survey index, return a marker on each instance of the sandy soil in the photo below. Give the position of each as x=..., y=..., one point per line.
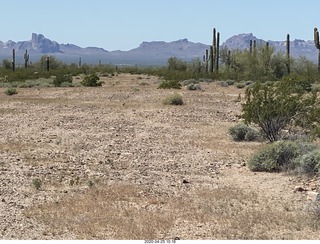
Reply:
x=74, y=138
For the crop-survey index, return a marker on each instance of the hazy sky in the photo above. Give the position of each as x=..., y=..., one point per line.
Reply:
x=124, y=24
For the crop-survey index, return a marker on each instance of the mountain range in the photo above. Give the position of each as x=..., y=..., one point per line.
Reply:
x=148, y=53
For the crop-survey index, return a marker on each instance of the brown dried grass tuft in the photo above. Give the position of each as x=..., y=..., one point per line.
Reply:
x=128, y=212
x=109, y=212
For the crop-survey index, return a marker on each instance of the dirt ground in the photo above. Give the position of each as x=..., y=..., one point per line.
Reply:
x=114, y=162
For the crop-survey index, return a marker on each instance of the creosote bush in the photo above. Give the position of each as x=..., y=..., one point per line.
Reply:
x=174, y=99
x=11, y=91
x=170, y=84
x=242, y=132
x=194, y=87
x=280, y=106
x=37, y=183
x=284, y=155
x=91, y=80
x=275, y=157
x=310, y=162
x=63, y=80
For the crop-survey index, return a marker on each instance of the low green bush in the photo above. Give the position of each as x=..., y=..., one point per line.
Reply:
x=37, y=183
x=240, y=85
x=194, y=87
x=242, y=132
x=66, y=84
x=174, y=99
x=310, y=162
x=226, y=83
x=275, y=157
x=91, y=80
x=170, y=84
x=189, y=82
x=11, y=91
x=62, y=79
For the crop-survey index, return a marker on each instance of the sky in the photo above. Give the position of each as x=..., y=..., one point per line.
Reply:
x=124, y=24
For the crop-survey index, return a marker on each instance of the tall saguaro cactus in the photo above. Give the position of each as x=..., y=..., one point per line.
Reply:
x=26, y=59
x=211, y=59
x=288, y=54
x=48, y=63
x=217, y=54
x=207, y=58
x=214, y=50
x=13, y=59
x=317, y=44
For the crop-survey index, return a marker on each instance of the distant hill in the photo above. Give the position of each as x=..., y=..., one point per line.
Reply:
x=298, y=47
x=148, y=53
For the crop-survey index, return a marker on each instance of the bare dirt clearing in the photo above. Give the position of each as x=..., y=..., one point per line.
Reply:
x=115, y=163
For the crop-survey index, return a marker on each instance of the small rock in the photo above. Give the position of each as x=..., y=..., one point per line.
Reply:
x=313, y=196
x=185, y=181
x=299, y=189
x=312, y=186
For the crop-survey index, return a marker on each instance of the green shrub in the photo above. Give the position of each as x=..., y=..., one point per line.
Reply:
x=91, y=80
x=23, y=85
x=194, y=87
x=310, y=162
x=6, y=85
x=37, y=183
x=275, y=157
x=11, y=91
x=223, y=83
x=61, y=79
x=230, y=82
x=240, y=85
x=274, y=108
x=189, y=82
x=170, y=84
x=242, y=132
x=315, y=87
x=66, y=84
x=174, y=99
x=4, y=79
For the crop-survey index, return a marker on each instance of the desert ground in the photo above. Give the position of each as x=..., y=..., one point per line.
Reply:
x=114, y=162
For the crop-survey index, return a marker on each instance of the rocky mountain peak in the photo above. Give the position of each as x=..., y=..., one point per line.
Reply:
x=44, y=45
x=241, y=41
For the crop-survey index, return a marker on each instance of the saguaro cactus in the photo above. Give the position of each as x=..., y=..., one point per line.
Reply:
x=288, y=54
x=48, y=63
x=211, y=58
x=207, y=58
x=228, y=59
x=214, y=50
x=13, y=59
x=217, y=54
x=250, y=47
x=317, y=44
x=26, y=59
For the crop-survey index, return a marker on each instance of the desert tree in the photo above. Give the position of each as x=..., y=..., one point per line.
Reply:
x=177, y=64
x=283, y=105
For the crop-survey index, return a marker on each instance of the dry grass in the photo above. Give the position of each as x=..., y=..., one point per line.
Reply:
x=127, y=212
x=109, y=212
